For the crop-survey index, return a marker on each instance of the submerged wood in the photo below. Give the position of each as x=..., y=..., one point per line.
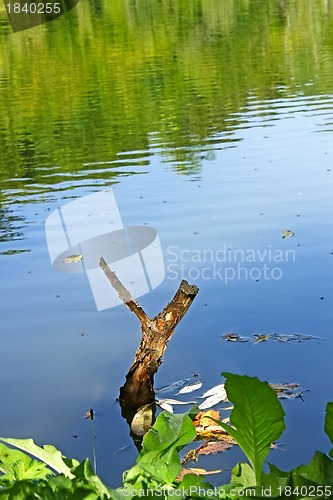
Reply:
x=156, y=332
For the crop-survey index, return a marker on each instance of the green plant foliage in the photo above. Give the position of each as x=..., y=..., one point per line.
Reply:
x=318, y=472
x=18, y=466
x=243, y=475
x=48, y=454
x=329, y=423
x=257, y=417
x=158, y=461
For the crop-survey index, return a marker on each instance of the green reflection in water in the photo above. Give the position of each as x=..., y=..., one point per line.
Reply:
x=114, y=77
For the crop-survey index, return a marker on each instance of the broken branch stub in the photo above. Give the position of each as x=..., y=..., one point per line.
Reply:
x=155, y=335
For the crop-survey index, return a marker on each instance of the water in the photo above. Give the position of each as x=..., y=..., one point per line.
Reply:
x=215, y=145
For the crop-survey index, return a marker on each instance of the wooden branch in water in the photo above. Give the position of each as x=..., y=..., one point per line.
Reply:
x=123, y=293
x=155, y=335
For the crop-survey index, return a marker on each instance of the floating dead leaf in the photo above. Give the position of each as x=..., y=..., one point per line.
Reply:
x=214, y=433
x=173, y=386
x=291, y=394
x=295, y=337
x=197, y=472
x=175, y=402
x=288, y=390
x=72, y=258
x=262, y=337
x=209, y=447
x=166, y=404
x=142, y=420
x=214, y=396
x=190, y=456
x=234, y=337
x=190, y=387
x=204, y=418
x=214, y=390
x=212, y=447
x=286, y=233
x=280, y=387
x=206, y=426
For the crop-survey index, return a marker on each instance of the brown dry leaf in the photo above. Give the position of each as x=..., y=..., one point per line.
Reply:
x=204, y=418
x=191, y=455
x=214, y=434
x=281, y=387
x=212, y=431
x=211, y=447
x=197, y=472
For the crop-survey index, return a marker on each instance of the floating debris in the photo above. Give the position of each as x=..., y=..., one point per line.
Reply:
x=288, y=390
x=286, y=233
x=173, y=386
x=90, y=414
x=72, y=258
x=234, y=337
x=190, y=387
x=262, y=337
x=256, y=338
x=174, y=402
x=214, y=396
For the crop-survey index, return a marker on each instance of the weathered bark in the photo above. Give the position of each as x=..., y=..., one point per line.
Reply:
x=155, y=335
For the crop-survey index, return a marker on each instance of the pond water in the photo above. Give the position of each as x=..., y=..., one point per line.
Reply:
x=213, y=124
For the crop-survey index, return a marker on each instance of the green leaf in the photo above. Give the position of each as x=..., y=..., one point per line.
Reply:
x=257, y=418
x=198, y=487
x=243, y=475
x=48, y=454
x=169, y=434
x=318, y=472
x=85, y=473
x=329, y=424
x=17, y=466
x=158, y=463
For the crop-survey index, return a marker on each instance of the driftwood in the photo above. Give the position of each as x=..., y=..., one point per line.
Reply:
x=155, y=335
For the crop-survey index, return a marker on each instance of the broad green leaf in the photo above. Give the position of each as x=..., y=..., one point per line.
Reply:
x=160, y=472
x=48, y=454
x=17, y=466
x=169, y=434
x=158, y=462
x=243, y=475
x=276, y=480
x=257, y=418
x=85, y=473
x=329, y=423
x=196, y=484
x=318, y=472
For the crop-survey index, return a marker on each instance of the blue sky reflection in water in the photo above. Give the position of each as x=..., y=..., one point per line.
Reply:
x=218, y=137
